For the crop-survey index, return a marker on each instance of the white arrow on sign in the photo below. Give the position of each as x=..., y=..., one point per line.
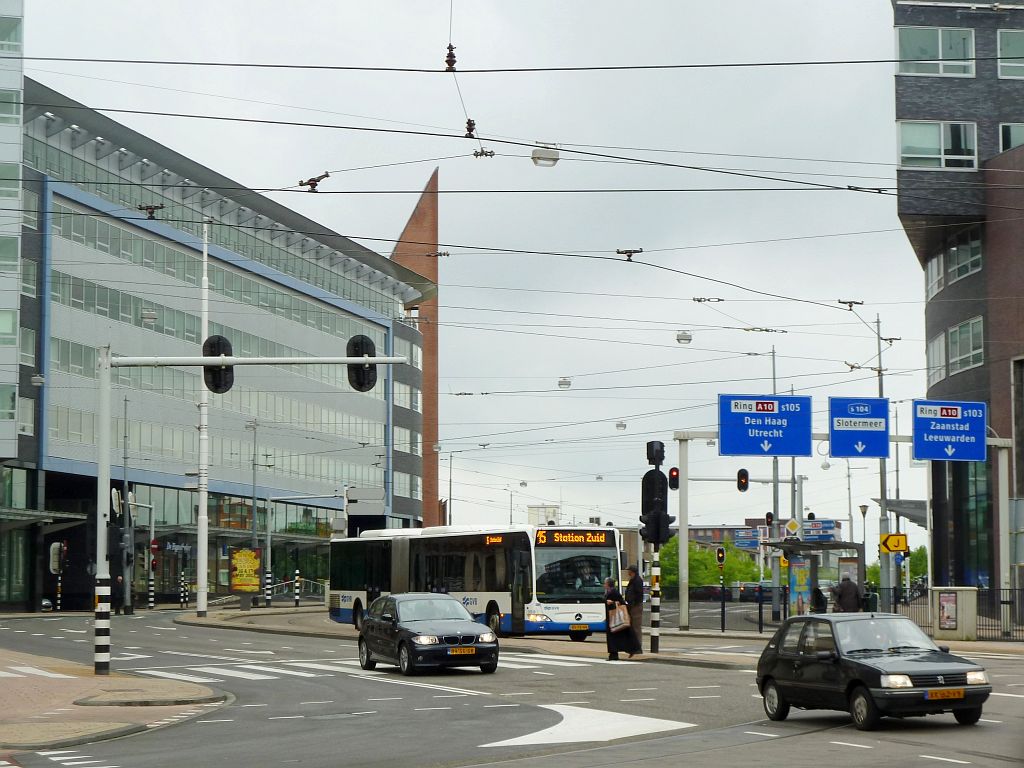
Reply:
x=950, y=450
x=765, y=445
x=859, y=446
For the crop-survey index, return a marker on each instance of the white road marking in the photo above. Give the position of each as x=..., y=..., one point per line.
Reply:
x=387, y=698
x=851, y=744
x=945, y=759
x=178, y=676
x=232, y=673
x=252, y=705
x=232, y=659
x=244, y=650
x=697, y=687
x=567, y=703
x=762, y=733
x=577, y=692
x=516, y=694
x=74, y=631
x=498, y=706
x=368, y=712
x=550, y=674
x=449, y=695
x=448, y=688
x=704, y=697
x=428, y=709
x=9, y=674
x=317, y=702
x=40, y=672
x=505, y=664
x=637, y=689
x=625, y=700
x=286, y=717
x=983, y=720
x=580, y=724
x=1009, y=695
x=279, y=671
x=215, y=721
x=165, y=629
x=547, y=660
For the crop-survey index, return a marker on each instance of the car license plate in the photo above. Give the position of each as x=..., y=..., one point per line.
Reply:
x=579, y=627
x=468, y=651
x=945, y=693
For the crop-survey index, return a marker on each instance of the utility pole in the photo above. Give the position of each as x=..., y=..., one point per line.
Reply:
x=128, y=565
x=203, y=479
x=776, y=574
x=254, y=426
x=884, y=560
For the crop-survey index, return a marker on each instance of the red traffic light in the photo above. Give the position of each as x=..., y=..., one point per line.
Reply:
x=769, y=518
x=154, y=547
x=673, y=479
x=152, y=564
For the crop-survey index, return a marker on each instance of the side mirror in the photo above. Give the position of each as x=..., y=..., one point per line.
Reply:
x=388, y=617
x=825, y=655
x=944, y=648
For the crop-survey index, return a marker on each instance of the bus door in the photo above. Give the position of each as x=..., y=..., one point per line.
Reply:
x=520, y=590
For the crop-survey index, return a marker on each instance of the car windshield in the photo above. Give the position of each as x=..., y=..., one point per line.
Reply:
x=871, y=634
x=430, y=609
x=574, y=574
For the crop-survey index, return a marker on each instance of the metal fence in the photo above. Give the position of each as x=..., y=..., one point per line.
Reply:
x=1001, y=614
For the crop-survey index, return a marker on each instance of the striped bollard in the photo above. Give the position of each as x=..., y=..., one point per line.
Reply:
x=181, y=591
x=59, y=585
x=151, y=599
x=268, y=579
x=101, y=647
x=655, y=601
x=298, y=586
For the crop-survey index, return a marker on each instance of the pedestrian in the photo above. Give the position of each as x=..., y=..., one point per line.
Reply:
x=635, y=603
x=818, y=602
x=624, y=640
x=117, y=595
x=848, y=596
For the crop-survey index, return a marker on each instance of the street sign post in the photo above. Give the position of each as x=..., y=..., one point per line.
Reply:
x=949, y=430
x=893, y=542
x=745, y=538
x=858, y=427
x=764, y=425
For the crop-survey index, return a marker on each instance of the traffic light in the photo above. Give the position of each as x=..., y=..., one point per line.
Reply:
x=656, y=453
x=810, y=515
x=115, y=543
x=654, y=506
x=720, y=555
x=666, y=527
x=218, y=378
x=769, y=518
x=362, y=376
x=673, y=479
x=742, y=480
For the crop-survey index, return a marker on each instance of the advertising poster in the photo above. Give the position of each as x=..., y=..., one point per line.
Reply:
x=245, y=569
x=799, y=586
x=947, y=610
x=848, y=567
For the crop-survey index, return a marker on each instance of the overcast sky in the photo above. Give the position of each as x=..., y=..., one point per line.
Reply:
x=513, y=321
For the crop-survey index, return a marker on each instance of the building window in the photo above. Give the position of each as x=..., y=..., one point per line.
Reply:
x=8, y=254
x=28, y=277
x=27, y=347
x=8, y=327
x=1010, y=135
x=26, y=416
x=937, y=145
x=10, y=107
x=963, y=254
x=1011, y=47
x=8, y=402
x=936, y=359
x=10, y=179
x=934, y=276
x=966, y=346
x=10, y=34
x=941, y=51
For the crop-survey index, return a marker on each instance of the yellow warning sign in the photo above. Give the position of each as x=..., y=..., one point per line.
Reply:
x=893, y=542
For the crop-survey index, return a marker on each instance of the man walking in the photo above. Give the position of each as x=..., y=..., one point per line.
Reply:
x=848, y=596
x=635, y=603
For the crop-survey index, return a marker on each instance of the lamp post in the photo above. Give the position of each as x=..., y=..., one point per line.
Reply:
x=448, y=508
x=864, y=521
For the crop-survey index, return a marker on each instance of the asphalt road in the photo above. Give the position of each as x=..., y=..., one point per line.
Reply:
x=305, y=701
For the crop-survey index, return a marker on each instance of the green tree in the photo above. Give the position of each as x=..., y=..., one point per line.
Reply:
x=739, y=566
x=919, y=562
x=873, y=573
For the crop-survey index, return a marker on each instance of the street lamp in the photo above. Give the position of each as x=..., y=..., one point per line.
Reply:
x=564, y=383
x=864, y=519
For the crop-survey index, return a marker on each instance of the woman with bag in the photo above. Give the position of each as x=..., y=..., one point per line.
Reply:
x=619, y=636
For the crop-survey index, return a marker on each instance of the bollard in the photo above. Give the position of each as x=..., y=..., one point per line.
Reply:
x=59, y=576
x=151, y=600
x=298, y=586
x=182, y=601
x=268, y=586
x=101, y=643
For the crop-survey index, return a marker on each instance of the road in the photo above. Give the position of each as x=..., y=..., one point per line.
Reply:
x=301, y=700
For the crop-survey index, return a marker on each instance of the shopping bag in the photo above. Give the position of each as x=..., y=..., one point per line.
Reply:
x=618, y=618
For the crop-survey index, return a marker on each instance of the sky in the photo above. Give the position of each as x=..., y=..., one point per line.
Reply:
x=672, y=161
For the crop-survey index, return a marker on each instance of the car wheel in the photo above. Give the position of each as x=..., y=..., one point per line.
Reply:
x=364, y=656
x=863, y=710
x=357, y=618
x=405, y=662
x=775, y=704
x=489, y=667
x=579, y=637
x=967, y=716
x=494, y=621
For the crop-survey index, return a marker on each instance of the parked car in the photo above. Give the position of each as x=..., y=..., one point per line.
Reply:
x=424, y=629
x=870, y=665
x=712, y=592
x=749, y=591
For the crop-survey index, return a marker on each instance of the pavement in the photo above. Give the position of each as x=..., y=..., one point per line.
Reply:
x=73, y=706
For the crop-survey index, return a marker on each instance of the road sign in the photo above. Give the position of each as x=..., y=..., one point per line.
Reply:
x=893, y=542
x=949, y=430
x=764, y=425
x=819, y=536
x=898, y=558
x=858, y=427
x=819, y=525
x=792, y=526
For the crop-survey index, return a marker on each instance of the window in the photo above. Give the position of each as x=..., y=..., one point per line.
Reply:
x=940, y=51
x=8, y=327
x=790, y=641
x=26, y=416
x=10, y=34
x=8, y=402
x=963, y=254
x=966, y=347
x=934, y=276
x=1010, y=135
x=937, y=145
x=935, y=354
x=10, y=178
x=1011, y=53
x=10, y=107
x=30, y=206
x=27, y=347
x=8, y=254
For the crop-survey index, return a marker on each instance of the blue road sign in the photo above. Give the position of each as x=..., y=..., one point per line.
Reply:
x=949, y=430
x=764, y=425
x=819, y=525
x=747, y=544
x=858, y=427
x=899, y=558
x=818, y=536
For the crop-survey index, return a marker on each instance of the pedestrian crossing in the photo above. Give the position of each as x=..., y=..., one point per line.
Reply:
x=30, y=672
x=275, y=670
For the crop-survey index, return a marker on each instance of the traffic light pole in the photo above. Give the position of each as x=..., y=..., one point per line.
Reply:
x=105, y=363
x=655, y=600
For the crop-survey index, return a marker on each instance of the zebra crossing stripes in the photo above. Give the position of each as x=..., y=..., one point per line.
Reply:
x=32, y=672
x=228, y=672
x=177, y=676
x=279, y=671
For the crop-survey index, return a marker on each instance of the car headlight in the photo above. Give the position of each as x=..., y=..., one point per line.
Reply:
x=897, y=681
x=978, y=677
x=537, y=617
x=487, y=637
x=425, y=639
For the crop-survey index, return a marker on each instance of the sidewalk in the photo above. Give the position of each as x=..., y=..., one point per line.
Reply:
x=62, y=704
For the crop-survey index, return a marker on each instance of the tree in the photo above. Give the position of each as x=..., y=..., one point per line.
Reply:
x=919, y=562
x=739, y=566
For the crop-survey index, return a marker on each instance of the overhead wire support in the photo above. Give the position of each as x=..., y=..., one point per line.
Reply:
x=629, y=253
x=313, y=182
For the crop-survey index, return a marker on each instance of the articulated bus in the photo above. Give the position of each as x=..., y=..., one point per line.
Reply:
x=516, y=579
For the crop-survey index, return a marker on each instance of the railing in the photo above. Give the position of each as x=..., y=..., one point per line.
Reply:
x=1001, y=614
x=308, y=588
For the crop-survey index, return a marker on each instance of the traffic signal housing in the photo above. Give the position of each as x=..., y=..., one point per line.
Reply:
x=673, y=479
x=742, y=481
x=720, y=556
x=656, y=453
x=769, y=518
x=654, y=507
x=362, y=376
x=218, y=378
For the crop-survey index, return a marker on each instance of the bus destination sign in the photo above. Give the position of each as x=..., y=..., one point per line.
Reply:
x=597, y=538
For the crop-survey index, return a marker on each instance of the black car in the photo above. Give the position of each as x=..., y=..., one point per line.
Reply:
x=423, y=629
x=867, y=664
x=709, y=592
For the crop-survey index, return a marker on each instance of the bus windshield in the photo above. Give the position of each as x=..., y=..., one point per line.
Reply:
x=573, y=574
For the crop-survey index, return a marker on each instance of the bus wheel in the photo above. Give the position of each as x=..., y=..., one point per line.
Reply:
x=578, y=636
x=357, y=617
x=494, y=619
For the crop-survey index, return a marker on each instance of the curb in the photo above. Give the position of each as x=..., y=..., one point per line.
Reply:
x=90, y=701
x=75, y=741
